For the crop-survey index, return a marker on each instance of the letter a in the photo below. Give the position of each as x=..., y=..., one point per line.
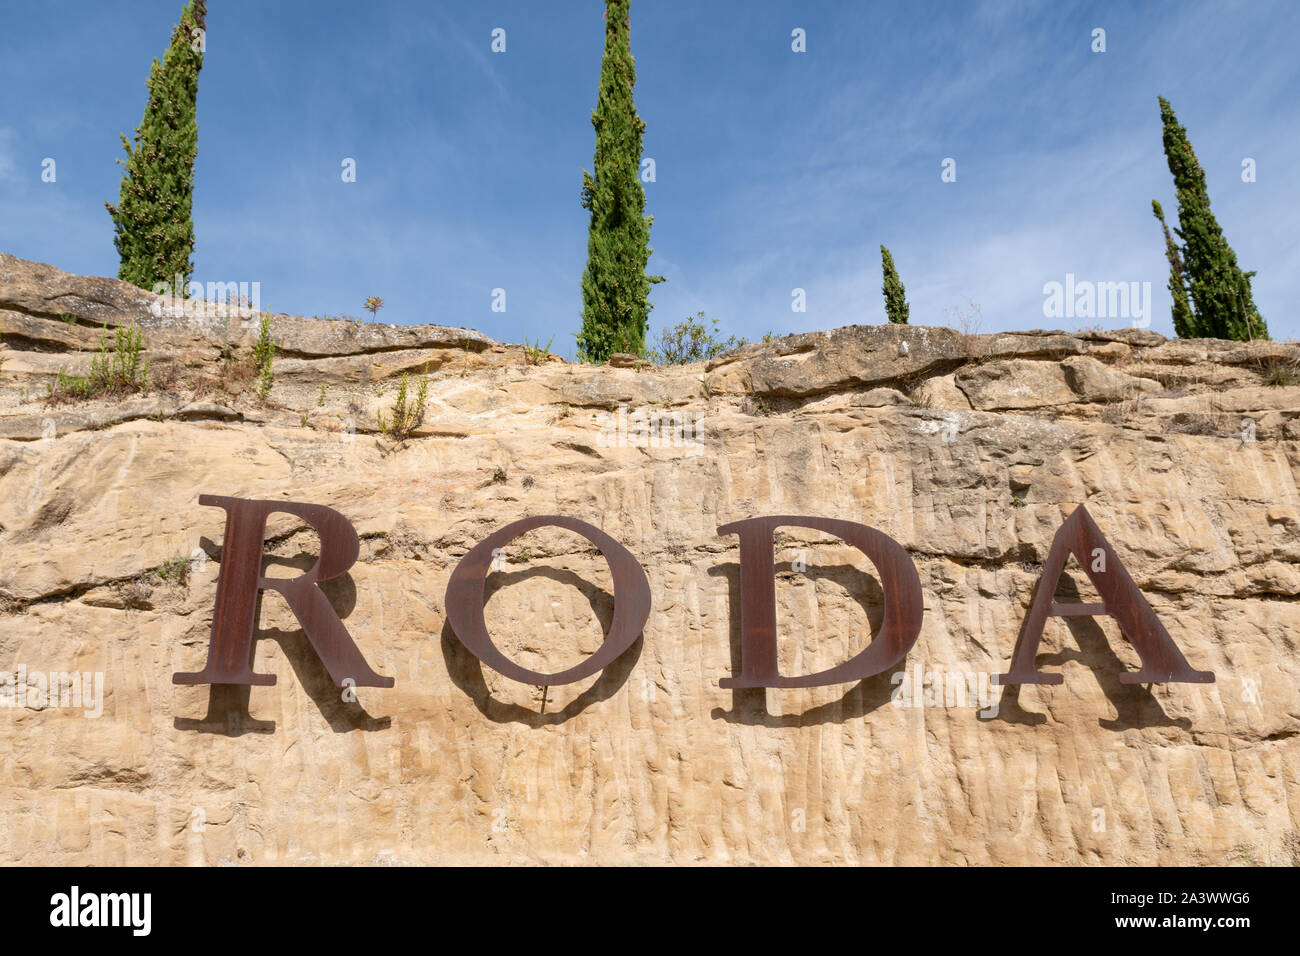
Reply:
x=1162, y=661
x=898, y=630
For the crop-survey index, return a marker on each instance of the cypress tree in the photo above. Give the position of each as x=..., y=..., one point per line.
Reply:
x=615, y=287
x=154, y=231
x=895, y=299
x=1184, y=321
x=1220, y=291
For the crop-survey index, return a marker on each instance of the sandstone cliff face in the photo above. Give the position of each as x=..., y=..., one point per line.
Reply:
x=968, y=450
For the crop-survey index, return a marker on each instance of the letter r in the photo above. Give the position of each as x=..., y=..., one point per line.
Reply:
x=230, y=649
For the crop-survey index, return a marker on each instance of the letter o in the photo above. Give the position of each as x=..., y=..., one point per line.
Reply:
x=465, y=601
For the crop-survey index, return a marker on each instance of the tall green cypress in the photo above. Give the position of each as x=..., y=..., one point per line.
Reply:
x=1220, y=291
x=1184, y=322
x=154, y=231
x=895, y=298
x=615, y=287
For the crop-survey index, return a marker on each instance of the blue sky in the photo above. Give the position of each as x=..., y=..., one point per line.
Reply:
x=775, y=170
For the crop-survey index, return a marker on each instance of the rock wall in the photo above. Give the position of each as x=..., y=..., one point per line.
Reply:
x=969, y=450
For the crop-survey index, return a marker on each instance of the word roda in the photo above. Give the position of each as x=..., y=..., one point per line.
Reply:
x=230, y=649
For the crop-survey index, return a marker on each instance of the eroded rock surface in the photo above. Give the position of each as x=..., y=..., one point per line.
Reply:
x=969, y=450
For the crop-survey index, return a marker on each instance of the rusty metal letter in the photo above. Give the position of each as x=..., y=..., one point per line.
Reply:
x=465, y=601
x=899, y=629
x=230, y=649
x=1162, y=661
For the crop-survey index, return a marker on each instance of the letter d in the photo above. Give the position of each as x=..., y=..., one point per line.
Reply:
x=899, y=629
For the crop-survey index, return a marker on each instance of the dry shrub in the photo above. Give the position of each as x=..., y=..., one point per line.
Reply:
x=1192, y=423
x=230, y=378
x=1279, y=371
x=967, y=323
x=1131, y=407
x=1201, y=419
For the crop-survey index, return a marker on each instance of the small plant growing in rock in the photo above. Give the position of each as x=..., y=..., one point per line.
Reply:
x=968, y=325
x=373, y=304
x=406, y=415
x=321, y=401
x=1192, y=423
x=1279, y=372
x=536, y=353
x=116, y=370
x=921, y=397
x=499, y=477
x=134, y=595
x=1282, y=376
x=68, y=318
x=229, y=377
x=263, y=355
x=175, y=569
x=691, y=341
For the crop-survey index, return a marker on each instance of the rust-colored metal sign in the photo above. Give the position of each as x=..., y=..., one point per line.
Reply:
x=230, y=650
x=1162, y=661
x=465, y=601
x=904, y=605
